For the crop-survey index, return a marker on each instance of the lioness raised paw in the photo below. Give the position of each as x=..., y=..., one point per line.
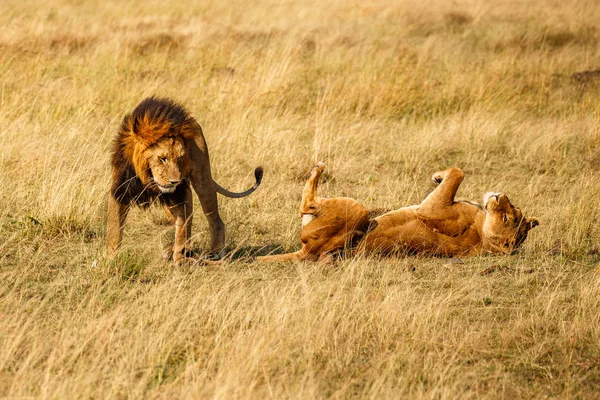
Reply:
x=316, y=170
x=319, y=167
x=438, y=177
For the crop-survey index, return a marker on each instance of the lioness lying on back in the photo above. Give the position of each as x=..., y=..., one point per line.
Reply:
x=440, y=225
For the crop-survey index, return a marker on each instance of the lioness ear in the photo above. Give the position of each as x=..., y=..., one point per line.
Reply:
x=372, y=225
x=532, y=223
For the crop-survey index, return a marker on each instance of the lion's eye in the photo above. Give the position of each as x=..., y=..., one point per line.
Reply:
x=163, y=160
x=505, y=218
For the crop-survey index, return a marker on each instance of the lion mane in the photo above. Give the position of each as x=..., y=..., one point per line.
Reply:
x=159, y=155
x=153, y=119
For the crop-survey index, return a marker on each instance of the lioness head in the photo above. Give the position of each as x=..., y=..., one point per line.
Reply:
x=168, y=163
x=504, y=228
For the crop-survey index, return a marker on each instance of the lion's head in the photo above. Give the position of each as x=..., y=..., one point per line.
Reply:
x=150, y=154
x=505, y=228
x=168, y=162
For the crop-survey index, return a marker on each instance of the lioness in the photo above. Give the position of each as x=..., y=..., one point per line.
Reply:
x=440, y=225
x=328, y=225
x=157, y=154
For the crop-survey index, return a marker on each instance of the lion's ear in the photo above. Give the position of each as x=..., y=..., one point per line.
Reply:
x=137, y=133
x=532, y=223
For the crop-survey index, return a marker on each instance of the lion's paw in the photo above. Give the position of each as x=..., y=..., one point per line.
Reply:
x=215, y=255
x=167, y=254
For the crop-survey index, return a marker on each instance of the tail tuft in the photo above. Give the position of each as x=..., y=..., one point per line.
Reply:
x=258, y=175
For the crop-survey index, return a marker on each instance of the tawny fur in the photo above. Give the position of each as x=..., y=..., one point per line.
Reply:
x=328, y=225
x=439, y=226
x=443, y=226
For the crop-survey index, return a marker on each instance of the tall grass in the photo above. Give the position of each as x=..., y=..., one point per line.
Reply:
x=385, y=93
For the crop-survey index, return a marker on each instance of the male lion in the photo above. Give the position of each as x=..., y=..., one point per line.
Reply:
x=158, y=153
x=328, y=225
x=442, y=226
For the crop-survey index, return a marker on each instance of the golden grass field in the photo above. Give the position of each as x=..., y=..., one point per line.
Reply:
x=385, y=93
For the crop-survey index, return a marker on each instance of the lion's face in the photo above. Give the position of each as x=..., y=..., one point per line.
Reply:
x=505, y=228
x=168, y=162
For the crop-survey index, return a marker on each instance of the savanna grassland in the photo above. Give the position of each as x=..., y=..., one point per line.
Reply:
x=385, y=93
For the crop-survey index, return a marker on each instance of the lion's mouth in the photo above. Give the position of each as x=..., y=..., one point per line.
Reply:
x=166, y=189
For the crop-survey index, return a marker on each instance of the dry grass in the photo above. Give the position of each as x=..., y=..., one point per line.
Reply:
x=385, y=93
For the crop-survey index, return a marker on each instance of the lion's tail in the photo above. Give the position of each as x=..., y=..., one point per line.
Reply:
x=258, y=174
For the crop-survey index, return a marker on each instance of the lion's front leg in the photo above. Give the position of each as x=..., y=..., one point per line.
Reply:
x=117, y=213
x=181, y=215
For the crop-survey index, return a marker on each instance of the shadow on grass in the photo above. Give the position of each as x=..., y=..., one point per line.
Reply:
x=128, y=265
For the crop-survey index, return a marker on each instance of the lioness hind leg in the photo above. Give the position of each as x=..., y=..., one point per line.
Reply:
x=308, y=205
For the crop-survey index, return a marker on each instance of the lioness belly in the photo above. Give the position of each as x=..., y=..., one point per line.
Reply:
x=401, y=232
